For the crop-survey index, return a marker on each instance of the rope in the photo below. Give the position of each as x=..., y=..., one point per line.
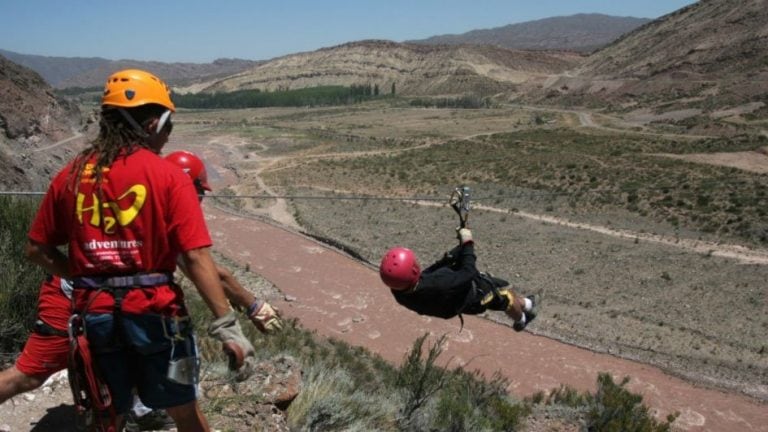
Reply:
x=333, y=198
x=507, y=196
x=519, y=195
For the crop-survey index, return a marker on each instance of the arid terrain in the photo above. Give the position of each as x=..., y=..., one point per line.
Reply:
x=628, y=187
x=617, y=275
x=616, y=279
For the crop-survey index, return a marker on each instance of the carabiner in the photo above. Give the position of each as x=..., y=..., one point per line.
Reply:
x=75, y=326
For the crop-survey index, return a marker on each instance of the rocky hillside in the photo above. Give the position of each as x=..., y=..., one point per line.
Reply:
x=705, y=60
x=63, y=72
x=581, y=32
x=700, y=63
x=711, y=52
x=31, y=118
x=412, y=69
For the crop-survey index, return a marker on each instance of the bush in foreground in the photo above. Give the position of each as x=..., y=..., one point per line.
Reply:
x=20, y=279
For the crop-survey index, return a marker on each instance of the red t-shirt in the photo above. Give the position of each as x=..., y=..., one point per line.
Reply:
x=148, y=212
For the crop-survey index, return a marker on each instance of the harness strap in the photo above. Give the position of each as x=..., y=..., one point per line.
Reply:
x=117, y=312
x=44, y=329
x=143, y=280
x=494, y=284
x=88, y=390
x=119, y=295
x=76, y=377
x=102, y=399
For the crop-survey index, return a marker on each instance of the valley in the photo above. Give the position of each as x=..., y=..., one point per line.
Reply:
x=620, y=275
x=621, y=176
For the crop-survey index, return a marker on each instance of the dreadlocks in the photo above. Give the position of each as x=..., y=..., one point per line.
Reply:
x=117, y=137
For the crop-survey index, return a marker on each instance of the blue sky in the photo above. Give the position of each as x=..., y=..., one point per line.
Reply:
x=201, y=31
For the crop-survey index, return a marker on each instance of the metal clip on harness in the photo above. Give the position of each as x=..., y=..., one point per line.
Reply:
x=460, y=201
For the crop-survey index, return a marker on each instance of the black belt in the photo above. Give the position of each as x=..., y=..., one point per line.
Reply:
x=44, y=329
x=137, y=280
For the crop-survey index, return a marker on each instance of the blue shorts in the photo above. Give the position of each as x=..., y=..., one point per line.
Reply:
x=136, y=354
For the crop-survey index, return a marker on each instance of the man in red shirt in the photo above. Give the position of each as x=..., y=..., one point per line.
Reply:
x=47, y=347
x=125, y=214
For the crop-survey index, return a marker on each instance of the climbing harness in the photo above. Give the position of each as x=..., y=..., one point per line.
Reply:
x=141, y=280
x=90, y=393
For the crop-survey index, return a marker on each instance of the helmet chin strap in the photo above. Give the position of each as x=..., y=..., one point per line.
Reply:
x=163, y=120
x=134, y=124
x=137, y=127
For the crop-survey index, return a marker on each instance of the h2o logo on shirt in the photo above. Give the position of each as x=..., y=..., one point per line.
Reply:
x=116, y=215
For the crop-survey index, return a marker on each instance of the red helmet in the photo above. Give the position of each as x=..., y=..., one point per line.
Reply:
x=399, y=269
x=192, y=165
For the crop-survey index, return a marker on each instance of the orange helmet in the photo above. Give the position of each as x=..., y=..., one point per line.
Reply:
x=133, y=87
x=399, y=269
x=192, y=165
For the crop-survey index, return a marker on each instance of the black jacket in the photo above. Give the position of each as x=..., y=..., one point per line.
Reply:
x=451, y=286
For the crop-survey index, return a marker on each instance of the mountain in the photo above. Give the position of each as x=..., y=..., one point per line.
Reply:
x=63, y=72
x=31, y=117
x=498, y=62
x=581, y=32
x=413, y=69
x=710, y=54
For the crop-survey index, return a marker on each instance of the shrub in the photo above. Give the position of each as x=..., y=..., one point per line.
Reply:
x=21, y=279
x=455, y=400
x=331, y=400
x=420, y=379
x=470, y=403
x=569, y=397
x=617, y=410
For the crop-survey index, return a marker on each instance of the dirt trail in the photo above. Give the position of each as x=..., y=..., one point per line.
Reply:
x=279, y=210
x=587, y=120
x=741, y=253
x=753, y=161
x=76, y=136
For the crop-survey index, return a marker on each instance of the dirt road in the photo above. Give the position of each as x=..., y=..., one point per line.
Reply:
x=339, y=297
x=74, y=137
